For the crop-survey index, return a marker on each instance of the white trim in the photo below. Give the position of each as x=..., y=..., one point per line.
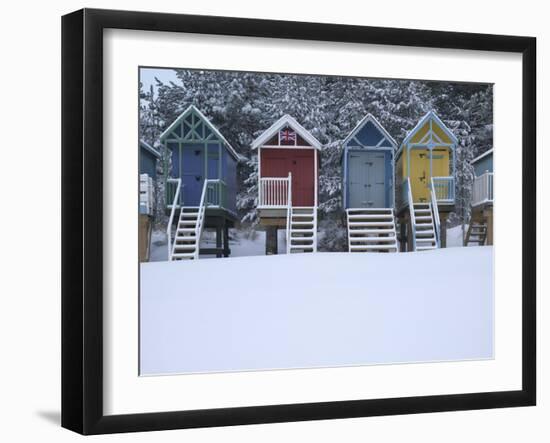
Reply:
x=286, y=120
x=479, y=157
x=375, y=122
x=392, y=184
x=434, y=116
x=148, y=147
x=368, y=148
x=316, y=173
x=189, y=109
x=285, y=147
x=259, y=167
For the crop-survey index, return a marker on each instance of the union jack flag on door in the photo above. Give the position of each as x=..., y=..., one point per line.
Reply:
x=287, y=137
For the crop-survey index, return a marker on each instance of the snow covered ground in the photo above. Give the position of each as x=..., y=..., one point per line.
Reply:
x=240, y=243
x=316, y=310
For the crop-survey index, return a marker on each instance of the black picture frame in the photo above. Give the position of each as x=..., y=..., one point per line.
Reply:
x=82, y=215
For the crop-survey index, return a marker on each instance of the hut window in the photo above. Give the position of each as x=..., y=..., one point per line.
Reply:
x=287, y=137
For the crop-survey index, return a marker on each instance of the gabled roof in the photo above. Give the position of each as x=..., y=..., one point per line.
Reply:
x=189, y=110
x=479, y=157
x=423, y=120
x=370, y=118
x=148, y=147
x=286, y=120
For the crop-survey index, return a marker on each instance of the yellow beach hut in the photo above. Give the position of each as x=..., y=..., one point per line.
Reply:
x=425, y=169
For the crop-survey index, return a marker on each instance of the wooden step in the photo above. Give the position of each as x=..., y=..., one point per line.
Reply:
x=183, y=230
x=379, y=223
x=370, y=217
x=183, y=249
x=423, y=241
x=183, y=255
x=376, y=210
x=186, y=239
x=379, y=241
x=371, y=231
x=424, y=227
x=301, y=240
x=367, y=247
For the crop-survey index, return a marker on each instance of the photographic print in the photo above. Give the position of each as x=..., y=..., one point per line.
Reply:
x=291, y=221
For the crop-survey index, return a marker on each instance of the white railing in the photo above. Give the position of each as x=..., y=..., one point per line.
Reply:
x=170, y=192
x=216, y=193
x=407, y=191
x=435, y=213
x=288, y=212
x=483, y=189
x=273, y=191
x=201, y=211
x=444, y=190
x=174, y=206
x=146, y=194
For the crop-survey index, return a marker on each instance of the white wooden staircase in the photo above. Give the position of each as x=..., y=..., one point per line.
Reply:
x=189, y=226
x=424, y=229
x=188, y=231
x=371, y=230
x=301, y=229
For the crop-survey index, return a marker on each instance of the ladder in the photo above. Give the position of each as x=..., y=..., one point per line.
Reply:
x=188, y=232
x=476, y=234
x=371, y=230
x=302, y=229
x=186, y=245
x=424, y=229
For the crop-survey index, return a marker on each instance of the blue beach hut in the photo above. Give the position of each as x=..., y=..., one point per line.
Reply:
x=368, y=177
x=201, y=184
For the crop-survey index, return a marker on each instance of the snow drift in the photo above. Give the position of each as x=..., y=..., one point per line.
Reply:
x=316, y=310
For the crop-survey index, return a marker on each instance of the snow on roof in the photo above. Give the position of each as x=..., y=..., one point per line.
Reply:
x=375, y=122
x=193, y=108
x=479, y=157
x=286, y=120
x=149, y=148
x=430, y=114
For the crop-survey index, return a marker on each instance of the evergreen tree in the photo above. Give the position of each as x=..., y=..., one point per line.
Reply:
x=243, y=105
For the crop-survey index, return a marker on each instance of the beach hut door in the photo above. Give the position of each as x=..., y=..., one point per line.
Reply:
x=367, y=180
x=192, y=174
x=376, y=178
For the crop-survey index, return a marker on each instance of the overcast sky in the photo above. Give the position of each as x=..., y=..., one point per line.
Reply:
x=147, y=76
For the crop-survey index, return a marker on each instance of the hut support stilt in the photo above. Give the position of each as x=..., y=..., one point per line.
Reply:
x=271, y=240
